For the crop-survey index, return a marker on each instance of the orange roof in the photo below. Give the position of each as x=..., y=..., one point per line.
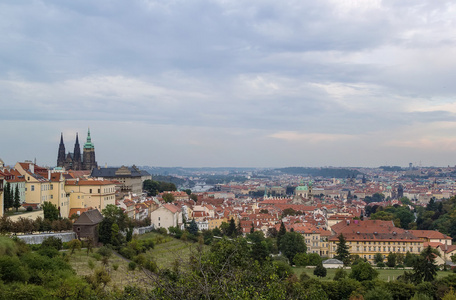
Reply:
x=89, y=182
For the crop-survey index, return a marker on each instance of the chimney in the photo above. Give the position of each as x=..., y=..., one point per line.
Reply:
x=49, y=174
x=32, y=168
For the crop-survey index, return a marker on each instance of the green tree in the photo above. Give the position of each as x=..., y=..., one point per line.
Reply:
x=424, y=267
x=320, y=271
x=391, y=260
x=188, y=191
x=378, y=293
x=168, y=197
x=231, y=228
x=342, y=250
x=17, y=200
x=7, y=197
x=363, y=271
x=74, y=244
x=378, y=258
x=193, y=227
x=291, y=244
x=50, y=211
x=281, y=233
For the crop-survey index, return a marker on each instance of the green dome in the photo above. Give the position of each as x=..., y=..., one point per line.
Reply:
x=302, y=188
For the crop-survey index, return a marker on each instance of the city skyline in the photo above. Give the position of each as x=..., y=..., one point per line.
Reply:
x=219, y=84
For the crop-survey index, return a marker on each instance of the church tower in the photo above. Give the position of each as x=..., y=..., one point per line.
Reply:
x=77, y=164
x=61, y=154
x=89, y=161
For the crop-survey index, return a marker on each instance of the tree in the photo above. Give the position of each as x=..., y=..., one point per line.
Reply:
x=363, y=271
x=252, y=229
x=193, y=227
x=272, y=232
x=424, y=267
x=291, y=244
x=391, y=260
x=7, y=197
x=281, y=233
x=17, y=200
x=168, y=197
x=378, y=258
x=342, y=250
x=320, y=271
x=231, y=228
x=50, y=211
x=74, y=244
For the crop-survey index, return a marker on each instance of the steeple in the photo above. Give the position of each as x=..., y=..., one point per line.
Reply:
x=61, y=154
x=88, y=144
x=77, y=155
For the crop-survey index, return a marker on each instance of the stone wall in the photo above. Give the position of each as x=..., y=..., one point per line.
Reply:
x=39, y=238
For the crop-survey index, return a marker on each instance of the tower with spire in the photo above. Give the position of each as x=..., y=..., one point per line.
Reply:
x=88, y=155
x=75, y=161
x=61, y=154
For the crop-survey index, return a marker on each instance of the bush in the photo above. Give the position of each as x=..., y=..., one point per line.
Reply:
x=378, y=294
x=320, y=271
x=29, y=208
x=131, y=266
x=115, y=266
x=105, y=251
x=127, y=252
x=97, y=256
x=52, y=242
x=340, y=274
x=49, y=252
x=11, y=270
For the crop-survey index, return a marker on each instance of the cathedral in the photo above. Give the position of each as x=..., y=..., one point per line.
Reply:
x=76, y=161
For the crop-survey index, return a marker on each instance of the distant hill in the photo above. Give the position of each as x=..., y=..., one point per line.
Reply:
x=320, y=172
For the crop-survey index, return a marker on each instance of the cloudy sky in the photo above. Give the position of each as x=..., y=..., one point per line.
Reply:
x=230, y=83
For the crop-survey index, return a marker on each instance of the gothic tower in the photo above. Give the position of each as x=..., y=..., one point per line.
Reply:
x=61, y=155
x=89, y=161
x=77, y=164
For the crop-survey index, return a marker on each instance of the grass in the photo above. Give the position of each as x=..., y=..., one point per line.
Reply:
x=119, y=278
x=384, y=274
x=167, y=249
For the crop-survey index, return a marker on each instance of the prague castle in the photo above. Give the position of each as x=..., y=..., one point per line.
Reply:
x=76, y=161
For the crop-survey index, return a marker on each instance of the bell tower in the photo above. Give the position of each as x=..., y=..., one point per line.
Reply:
x=89, y=161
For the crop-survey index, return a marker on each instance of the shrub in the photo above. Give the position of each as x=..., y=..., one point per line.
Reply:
x=11, y=270
x=97, y=256
x=49, y=252
x=340, y=274
x=105, y=251
x=29, y=208
x=115, y=266
x=131, y=266
x=52, y=242
x=378, y=294
x=127, y=252
x=91, y=264
x=320, y=271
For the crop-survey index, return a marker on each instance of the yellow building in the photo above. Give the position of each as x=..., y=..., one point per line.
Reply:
x=58, y=194
x=90, y=193
x=37, y=183
x=1, y=193
x=366, y=238
x=212, y=223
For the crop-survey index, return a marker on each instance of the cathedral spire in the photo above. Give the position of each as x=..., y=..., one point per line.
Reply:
x=88, y=144
x=77, y=155
x=61, y=153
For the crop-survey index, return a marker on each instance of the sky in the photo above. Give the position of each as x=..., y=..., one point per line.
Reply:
x=260, y=83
